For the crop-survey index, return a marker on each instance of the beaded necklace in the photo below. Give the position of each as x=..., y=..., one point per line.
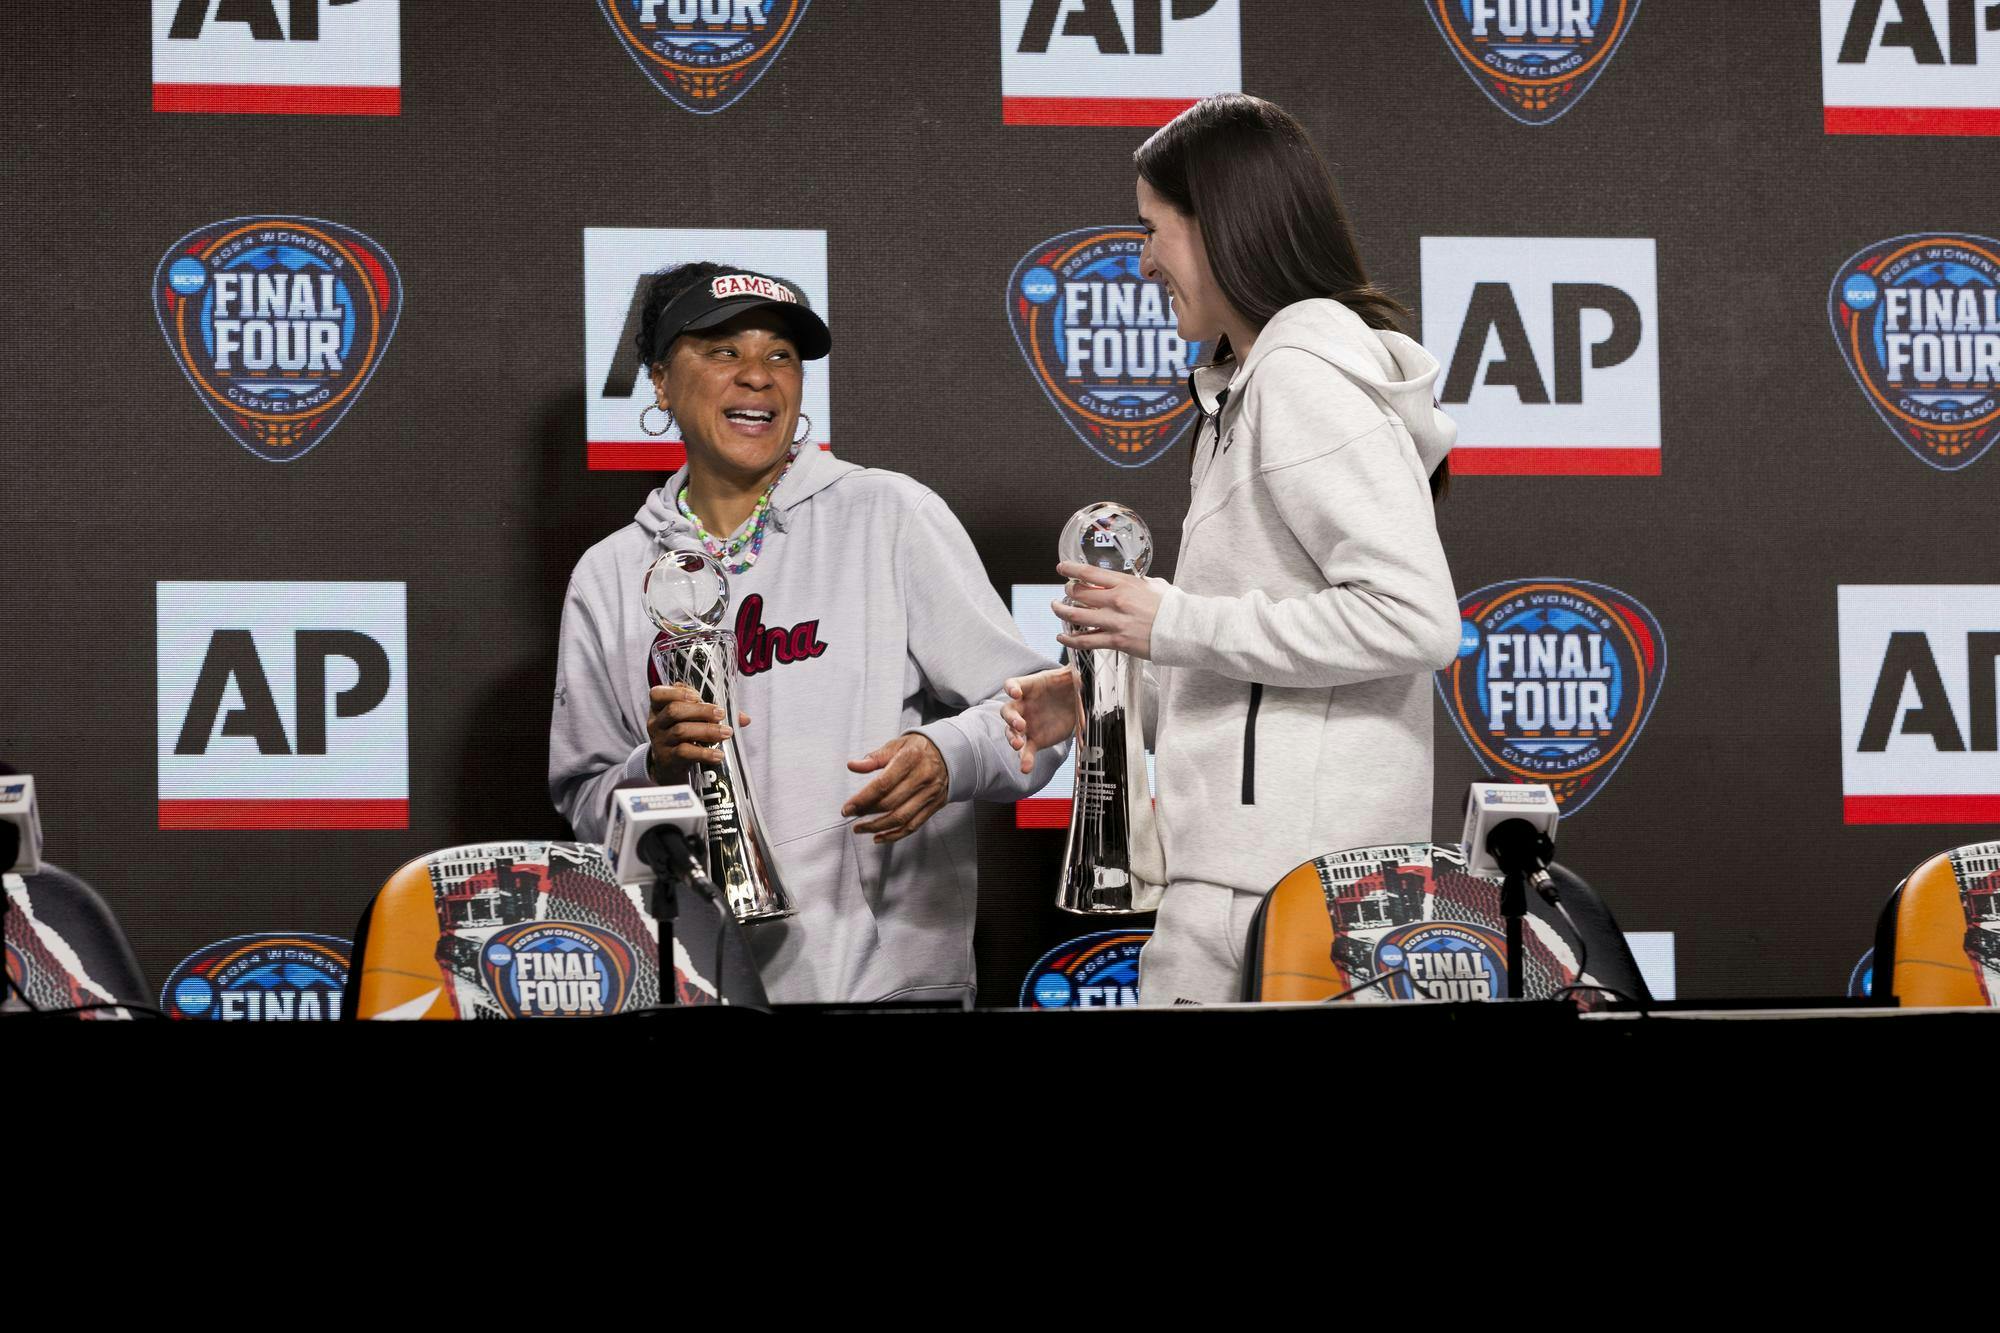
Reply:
x=748, y=543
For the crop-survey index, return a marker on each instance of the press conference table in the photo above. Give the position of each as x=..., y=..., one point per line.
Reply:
x=991, y=1039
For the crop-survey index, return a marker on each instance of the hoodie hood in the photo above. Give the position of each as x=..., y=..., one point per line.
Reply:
x=810, y=473
x=1394, y=369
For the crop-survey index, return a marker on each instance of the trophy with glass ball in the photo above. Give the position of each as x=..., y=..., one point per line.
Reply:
x=1112, y=864
x=687, y=595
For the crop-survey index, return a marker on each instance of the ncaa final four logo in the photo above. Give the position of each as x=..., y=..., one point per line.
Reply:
x=1440, y=961
x=1918, y=321
x=550, y=969
x=1101, y=341
x=704, y=54
x=281, y=977
x=1555, y=679
x=1098, y=971
x=278, y=323
x=1534, y=58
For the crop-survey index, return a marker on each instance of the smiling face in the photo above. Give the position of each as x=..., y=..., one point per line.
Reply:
x=735, y=390
x=1176, y=257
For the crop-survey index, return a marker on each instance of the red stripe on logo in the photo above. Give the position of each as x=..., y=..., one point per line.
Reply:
x=1965, y=120
x=1922, y=809
x=1477, y=462
x=639, y=455
x=267, y=814
x=277, y=99
x=1042, y=812
x=1123, y=111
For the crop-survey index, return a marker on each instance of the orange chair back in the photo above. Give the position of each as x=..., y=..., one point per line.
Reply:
x=1939, y=941
x=508, y=930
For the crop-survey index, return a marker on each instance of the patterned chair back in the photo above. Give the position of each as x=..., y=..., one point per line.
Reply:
x=533, y=930
x=1409, y=922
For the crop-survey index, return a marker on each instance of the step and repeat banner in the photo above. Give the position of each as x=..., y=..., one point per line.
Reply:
x=320, y=316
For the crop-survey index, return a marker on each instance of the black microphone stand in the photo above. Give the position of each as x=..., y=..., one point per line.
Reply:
x=1524, y=854
x=673, y=862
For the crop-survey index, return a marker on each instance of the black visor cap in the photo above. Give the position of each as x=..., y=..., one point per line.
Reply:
x=726, y=296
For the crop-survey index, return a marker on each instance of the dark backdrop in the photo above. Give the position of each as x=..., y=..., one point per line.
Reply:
x=461, y=470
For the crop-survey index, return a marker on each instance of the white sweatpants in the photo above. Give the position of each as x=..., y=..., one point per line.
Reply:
x=1196, y=953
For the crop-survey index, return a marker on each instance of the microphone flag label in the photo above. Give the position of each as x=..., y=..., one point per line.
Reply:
x=1102, y=343
x=1554, y=681
x=1534, y=58
x=278, y=323
x=1918, y=322
x=704, y=54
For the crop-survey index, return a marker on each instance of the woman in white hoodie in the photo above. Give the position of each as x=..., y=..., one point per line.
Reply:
x=1292, y=650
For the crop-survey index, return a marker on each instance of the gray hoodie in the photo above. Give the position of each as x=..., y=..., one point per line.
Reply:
x=1309, y=607
x=867, y=615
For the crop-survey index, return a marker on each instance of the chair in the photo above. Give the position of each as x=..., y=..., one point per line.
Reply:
x=533, y=930
x=64, y=947
x=1937, y=942
x=1410, y=922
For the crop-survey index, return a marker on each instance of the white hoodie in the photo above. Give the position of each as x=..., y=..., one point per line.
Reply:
x=868, y=615
x=1309, y=607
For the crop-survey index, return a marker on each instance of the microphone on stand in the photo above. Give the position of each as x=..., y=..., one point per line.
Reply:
x=21, y=818
x=1510, y=831
x=659, y=837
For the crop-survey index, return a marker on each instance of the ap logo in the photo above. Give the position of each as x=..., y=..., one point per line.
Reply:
x=704, y=54
x=1919, y=712
x=1555, y=679
x=1551, y=352
x=1115, y=62
x=1918, y=320
x=1535, y=58
x=1101, y=342
x=283, y=705
x=279, y=324
x=278, y=57
x=1911, y=66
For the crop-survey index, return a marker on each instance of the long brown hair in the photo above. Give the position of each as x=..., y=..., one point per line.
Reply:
x=1271, y=218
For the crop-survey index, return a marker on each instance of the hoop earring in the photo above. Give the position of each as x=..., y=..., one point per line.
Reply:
x=655, y=407
x=798, y=441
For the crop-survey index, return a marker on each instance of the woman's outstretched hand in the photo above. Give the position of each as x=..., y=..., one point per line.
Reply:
x=1041, y=710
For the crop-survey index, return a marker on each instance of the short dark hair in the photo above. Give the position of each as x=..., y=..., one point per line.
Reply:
x=669, y=284
x=1271, y=218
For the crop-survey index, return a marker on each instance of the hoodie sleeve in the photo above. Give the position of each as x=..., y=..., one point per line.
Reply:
x=1347, y=484
x=594, y=744
x=967, y=645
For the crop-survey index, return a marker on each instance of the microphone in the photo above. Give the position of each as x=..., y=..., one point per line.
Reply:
x=673, y=856
x=20, y=827
x=1510, y=830
x=638, y=846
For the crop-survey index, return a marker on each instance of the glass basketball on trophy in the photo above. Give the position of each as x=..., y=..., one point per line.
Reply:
x=1111, y=810
x=686, y=592
x=687, y=595
x=1109, y=536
